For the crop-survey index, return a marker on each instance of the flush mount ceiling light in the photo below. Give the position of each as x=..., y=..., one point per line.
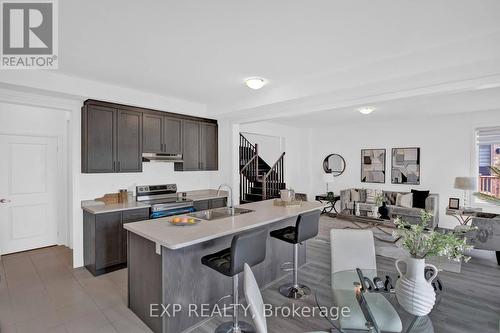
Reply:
x=255, y=83
x=366, y=109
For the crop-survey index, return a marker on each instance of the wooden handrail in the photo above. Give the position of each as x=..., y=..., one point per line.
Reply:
x=274, y=165
x=248, y=163
x=277, y=168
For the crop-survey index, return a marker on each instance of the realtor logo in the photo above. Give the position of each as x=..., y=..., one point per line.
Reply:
x=29, y=34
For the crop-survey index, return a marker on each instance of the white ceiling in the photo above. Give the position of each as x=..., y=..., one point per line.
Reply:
x=403, y=108
x=202, y=50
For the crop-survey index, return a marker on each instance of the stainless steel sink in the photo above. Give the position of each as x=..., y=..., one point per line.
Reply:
x=219, y=213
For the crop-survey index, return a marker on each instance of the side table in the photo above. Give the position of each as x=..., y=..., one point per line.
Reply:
x=332, y=200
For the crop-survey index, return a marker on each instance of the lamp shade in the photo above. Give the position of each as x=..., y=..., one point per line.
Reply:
x=465, y=183
x=328, y=178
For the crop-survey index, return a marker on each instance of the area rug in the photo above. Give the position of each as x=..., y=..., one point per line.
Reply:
x=386, y=248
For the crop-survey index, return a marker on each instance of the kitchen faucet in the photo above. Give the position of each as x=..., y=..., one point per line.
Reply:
x=230, y=192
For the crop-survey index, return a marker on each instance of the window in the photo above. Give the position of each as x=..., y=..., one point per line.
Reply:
x=488, y=149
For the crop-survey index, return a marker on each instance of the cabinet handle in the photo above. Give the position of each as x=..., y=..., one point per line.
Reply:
x=114, y=165
x=118, y=169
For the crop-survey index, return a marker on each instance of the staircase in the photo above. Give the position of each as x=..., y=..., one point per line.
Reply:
x=258, y=180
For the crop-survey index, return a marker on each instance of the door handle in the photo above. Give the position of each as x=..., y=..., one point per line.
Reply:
x=4, y=201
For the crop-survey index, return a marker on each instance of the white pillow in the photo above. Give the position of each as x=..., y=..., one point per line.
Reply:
x=404, y=200
x=371, y=195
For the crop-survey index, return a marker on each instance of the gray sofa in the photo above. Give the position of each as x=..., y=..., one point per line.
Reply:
x=410, y=215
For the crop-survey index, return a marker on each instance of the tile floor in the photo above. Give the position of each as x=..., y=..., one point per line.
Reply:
x=41, y=292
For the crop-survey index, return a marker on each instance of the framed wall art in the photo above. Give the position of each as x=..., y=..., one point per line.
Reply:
x=405, y=166
x=373, y=165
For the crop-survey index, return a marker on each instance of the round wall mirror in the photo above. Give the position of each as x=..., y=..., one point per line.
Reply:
x=334, y=164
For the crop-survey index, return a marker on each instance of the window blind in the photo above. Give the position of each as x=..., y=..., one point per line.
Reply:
x=488, y=135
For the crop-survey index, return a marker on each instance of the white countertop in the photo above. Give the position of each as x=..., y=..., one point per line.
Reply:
x=99, y=207
x=175, y=237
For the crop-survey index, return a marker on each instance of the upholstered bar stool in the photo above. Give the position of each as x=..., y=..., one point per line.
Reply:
x=248, y=248
x=305, y=228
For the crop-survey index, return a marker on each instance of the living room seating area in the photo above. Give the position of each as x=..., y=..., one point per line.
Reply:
x=407, y=205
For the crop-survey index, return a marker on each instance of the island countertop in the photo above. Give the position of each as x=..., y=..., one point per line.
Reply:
x=174, y=237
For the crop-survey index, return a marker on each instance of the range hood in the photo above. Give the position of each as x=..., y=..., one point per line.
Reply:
x=162, y=157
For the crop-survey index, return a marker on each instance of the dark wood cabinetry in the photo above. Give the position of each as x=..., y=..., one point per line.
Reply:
x=209, y=204
x=129, y=141
x=200, y=150
x=114, y=136
x=111, y=140
x=105, y=239
x=162, y=134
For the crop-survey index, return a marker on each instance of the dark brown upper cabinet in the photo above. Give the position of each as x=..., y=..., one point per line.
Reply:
x=200, y=150
x=111, y=140
x=98, y=139
x=191, y=148
x=114, y=136
x=162, y=134
x=209, y=148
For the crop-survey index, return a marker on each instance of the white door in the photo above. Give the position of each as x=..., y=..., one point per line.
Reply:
x=28, y=170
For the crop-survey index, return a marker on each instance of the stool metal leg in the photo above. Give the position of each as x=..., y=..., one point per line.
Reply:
x=295, y=290
x=235, y=326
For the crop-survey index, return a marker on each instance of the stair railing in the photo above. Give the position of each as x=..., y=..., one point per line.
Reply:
x=247, y=149
x=248, y=171
x=272, y=180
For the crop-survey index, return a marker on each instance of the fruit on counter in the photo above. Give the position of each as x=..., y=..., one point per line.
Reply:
x=184, y=220
x=176, y=220
x=191, y=220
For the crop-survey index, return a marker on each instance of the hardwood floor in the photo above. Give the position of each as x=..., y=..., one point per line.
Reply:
x=470, y=303
x=40, y=292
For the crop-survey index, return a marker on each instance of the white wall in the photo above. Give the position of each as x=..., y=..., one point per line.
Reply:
x=16, y=119
x=446, y=142
x=270, y=147
x=297, y=149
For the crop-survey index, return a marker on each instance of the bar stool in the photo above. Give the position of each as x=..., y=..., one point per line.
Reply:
x=305, y=228
x=249, y=248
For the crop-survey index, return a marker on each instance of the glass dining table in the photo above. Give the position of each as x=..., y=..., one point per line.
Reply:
x=368, y=311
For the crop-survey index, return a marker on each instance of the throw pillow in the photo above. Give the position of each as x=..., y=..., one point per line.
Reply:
x=405, y=200
x=355, y=195
x=390, y=197
x=371, y=195
x=419, y=198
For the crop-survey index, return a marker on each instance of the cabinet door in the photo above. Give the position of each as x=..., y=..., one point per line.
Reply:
x=129, y=141
x=209, y=150
x=191, y=145
x=127, y=217
x=173, y=136
x=218, y=203
x=152, y=133
x=108, y=240
x=98, y=144
x=201, y=205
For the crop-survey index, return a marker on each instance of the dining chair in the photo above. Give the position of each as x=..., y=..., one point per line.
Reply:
x=255, y=301
x=351, y=249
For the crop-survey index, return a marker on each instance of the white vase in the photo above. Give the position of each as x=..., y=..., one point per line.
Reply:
x=415, y=293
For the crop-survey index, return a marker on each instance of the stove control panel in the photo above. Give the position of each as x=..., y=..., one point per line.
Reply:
x=156, y=189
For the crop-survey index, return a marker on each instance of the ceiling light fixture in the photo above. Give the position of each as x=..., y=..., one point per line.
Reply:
x=255, y=83
x=366, y=109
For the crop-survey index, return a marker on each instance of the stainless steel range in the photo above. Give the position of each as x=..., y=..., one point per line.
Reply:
x=164, y=200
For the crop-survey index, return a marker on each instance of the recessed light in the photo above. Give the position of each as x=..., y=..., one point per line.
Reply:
x=255, y=83
x=366, y=109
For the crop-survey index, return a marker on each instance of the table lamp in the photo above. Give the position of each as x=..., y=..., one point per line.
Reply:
x=466, y=184
x=327, y=178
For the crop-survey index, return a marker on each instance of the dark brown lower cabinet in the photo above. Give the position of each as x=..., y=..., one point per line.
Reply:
x=209, y=204
x=105, y=239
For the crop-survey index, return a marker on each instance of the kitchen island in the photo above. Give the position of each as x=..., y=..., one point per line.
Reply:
x=164, y=262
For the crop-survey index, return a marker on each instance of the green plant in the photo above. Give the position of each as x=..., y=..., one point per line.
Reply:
x=422, y=243
x=380, y=199
x=488, y=197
